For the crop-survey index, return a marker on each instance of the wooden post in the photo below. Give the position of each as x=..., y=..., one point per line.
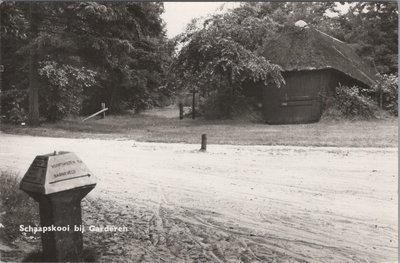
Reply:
x=181, y=111
x=194, y=104
x=103, y=106
x=380, y=98
x=203, y=143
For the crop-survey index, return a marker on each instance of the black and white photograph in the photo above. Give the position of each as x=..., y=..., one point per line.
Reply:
x=221, y=132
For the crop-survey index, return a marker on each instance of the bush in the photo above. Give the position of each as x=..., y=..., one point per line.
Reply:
x=12, y=105
x=218, y=105
x=62, y=94
x=16, y=114
x=387, y=85
x=17, y=208
x=350, y=102
x=224, y=104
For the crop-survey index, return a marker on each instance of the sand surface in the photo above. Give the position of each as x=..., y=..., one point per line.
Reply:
x=231, y=203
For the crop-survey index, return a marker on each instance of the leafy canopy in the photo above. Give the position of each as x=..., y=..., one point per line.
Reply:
x=222, y=53
x=85, y=53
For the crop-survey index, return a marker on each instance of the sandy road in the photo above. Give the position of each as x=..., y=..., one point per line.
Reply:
x=234, y=203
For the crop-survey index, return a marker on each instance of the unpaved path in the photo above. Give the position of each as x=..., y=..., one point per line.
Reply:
x=232, y=204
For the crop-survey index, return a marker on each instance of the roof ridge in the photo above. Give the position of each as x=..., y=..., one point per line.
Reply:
x=307, y=49
x=325, y=34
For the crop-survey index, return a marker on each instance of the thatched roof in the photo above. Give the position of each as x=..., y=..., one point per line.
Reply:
x=306, y=48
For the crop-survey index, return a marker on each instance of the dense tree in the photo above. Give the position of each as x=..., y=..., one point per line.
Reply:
x=223, y=52
x=219, y=56
x=287, y=13
x=125, y=42
x=372, y=30
x=77, y=55
x=86, y=53
x=13, y=36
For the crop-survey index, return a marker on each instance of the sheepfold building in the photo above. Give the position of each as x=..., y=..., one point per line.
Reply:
x=313, y=64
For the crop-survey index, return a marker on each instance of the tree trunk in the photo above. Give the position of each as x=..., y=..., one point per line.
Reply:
x=194, y=104
x=33, y=115
x=233, y=93
x=1, y=70
x=113, y=104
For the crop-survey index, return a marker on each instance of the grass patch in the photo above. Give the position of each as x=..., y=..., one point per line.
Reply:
x=88, y=255
x=157, y=128
x=17, y=208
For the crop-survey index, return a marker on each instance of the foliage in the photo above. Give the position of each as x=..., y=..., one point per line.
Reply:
x=127, y=46
x=124, y=44
x=222, y=53
x=13, y=23
x=219, y=56
x=13, y=98
x=13, y=106
x=388, y=85
x=222, y=105
x=17, y=208
x=287, y=13
x=85, y=53
x=350, y=102
x=371, y=28
x=63, y=94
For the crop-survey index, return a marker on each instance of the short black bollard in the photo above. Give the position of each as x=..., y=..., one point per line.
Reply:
x=180, y=111
x=203, y=142
x=58, y=182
